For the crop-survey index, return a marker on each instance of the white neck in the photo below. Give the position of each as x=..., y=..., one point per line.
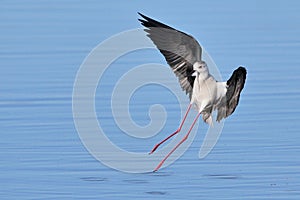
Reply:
x=202, y=75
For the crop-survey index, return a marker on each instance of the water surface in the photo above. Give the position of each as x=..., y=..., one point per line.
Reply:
x=42, y=46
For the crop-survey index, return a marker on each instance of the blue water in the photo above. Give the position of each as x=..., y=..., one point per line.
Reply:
x=42, y=45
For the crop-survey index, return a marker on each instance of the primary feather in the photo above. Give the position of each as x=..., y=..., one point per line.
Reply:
x=183, y=54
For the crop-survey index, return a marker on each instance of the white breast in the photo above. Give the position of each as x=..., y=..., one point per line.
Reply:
x=207, y=91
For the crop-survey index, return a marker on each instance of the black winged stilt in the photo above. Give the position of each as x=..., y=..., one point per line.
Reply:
x=183, y=53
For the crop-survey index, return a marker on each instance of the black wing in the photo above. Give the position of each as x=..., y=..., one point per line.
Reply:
x=180, y=50
x=234, y=87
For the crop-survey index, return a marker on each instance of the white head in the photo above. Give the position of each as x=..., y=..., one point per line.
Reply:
x=200, y=67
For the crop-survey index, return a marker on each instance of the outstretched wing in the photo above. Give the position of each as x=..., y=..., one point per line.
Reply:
x=234, y=87
x=180, y=50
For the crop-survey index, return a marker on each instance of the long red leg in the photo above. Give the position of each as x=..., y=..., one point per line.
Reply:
x=181, y=141
x=177, y=131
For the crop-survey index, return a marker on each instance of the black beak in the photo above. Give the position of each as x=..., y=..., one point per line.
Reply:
x=192, y=72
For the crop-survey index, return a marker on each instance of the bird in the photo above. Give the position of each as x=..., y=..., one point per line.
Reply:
x=183, y=54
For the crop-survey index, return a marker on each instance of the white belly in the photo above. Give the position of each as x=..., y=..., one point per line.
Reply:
x=207, y=92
